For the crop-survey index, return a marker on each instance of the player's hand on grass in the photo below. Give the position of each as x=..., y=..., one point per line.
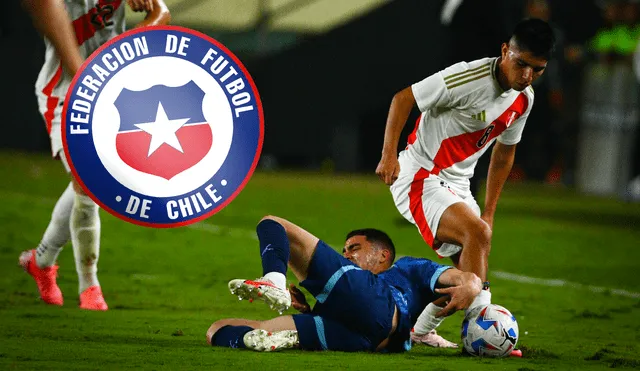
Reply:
x=298, y=300
x=461, y=297
x=388, y=169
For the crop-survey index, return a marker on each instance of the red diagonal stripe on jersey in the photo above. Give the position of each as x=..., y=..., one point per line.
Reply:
x=455, y=149
x=52, y=102
x=94, y=20
x=412, y=136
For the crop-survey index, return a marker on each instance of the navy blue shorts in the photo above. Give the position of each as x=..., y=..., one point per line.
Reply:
x=354, y=309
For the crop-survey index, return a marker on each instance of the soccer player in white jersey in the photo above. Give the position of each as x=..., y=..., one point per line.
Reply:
x=464, y=109
x=73, y=29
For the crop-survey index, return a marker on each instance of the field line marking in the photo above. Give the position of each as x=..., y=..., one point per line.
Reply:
x=562, y=283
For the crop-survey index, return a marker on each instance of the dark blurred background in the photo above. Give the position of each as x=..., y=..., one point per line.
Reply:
x=327, y=70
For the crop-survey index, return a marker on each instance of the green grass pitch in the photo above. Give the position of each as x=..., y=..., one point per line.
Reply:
x=165, y=287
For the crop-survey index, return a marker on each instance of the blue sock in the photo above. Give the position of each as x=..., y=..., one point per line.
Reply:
x=274, y=246
x=230, y=336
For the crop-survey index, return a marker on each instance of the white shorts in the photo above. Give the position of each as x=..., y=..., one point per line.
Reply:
x=57, y=150
x=422, y=198
x=55, y=134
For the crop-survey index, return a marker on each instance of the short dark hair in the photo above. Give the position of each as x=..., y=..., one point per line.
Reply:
x=536, y=36
x=377, y=238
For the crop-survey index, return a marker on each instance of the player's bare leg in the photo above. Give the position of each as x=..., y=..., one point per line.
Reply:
x=461, y=226
x=276, y=324
x=455, y=259
x=266, y=336
x=85, y=238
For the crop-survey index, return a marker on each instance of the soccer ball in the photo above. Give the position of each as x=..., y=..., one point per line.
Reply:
x=489, y=331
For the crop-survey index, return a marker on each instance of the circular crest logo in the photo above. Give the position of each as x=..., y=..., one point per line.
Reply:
x=162, y=126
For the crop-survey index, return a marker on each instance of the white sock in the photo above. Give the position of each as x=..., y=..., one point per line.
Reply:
x=85, y=237
x=278, y=279
x=427, y=320
x=57, y=233
x=483, y=298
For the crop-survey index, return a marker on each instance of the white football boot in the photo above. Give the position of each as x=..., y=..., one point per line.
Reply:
x=432, y=339
x=262, y=289
x=265, y=341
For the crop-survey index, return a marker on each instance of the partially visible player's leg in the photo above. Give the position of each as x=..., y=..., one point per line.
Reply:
x=74, y=217
x=84, y=226
x=302, y=246
x=422, y=198
x=464, y=237
x=271, y=335
x=282, y=243
x=304, y=331
x=424, y=329
x=230, y=338
x=57, y=233
x=451, y=250
x=443, y=216
x=318, y=332
x=40, y=263
x=460, y=225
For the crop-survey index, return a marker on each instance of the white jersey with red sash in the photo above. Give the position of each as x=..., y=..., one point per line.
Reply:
x=94, y=22
x=464, y=111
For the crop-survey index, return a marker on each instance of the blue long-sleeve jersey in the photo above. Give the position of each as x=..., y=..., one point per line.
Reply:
x=412, y=281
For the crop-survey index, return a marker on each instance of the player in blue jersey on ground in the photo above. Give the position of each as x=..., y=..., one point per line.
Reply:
x=365, y=302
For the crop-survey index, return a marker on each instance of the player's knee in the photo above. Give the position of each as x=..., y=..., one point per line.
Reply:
x=272, y=218
x=481, y=234
x=484, y=234
x=268, y=217
x=217, y=325
x=266, y=220
x=86, y=204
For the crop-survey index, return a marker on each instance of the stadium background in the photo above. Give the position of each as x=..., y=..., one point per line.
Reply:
x=567, y=229
x=327, y=70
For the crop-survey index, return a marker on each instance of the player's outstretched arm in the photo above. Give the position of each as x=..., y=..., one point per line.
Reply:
x=401, y=105
x=462, y=288
x=52, y=21
x=500, y=165
x=157, y=12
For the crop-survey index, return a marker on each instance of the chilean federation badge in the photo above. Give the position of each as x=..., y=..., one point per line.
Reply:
x=162, y=126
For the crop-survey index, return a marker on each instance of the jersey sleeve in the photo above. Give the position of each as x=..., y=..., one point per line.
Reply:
x=427, y=272
x=513, y=134
x=431, y=93
x=452, y=87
